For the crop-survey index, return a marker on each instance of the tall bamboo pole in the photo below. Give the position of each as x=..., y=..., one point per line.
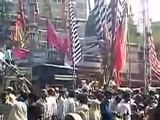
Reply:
x=144, y=46
x=149, y=73
x=129, y=49
x=129, y=62
x=111, y=60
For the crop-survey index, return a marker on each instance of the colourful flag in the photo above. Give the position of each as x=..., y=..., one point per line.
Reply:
x=52, y=37
x=19, y=34
x=120, y=42
x=54, y=40
x=20, y=53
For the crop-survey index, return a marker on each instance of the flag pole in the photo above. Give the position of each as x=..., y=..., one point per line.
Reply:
x=129, y=61
x=149, y=72
x=129, y=49
x=74, y=75
x=65, y=19
x=111, y=67
x=144, y=46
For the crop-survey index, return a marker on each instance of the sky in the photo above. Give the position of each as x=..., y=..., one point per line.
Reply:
x=154, y=9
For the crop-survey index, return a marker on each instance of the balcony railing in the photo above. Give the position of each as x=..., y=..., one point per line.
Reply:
x=47, y=56
x=40, y=56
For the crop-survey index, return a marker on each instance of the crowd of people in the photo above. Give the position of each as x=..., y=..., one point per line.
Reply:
x=85, y=103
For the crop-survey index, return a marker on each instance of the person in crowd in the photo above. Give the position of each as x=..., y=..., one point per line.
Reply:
x=124, y=107
x=56, y=92
x=23, y=97
x=8, y=55
x=156, y=112
x=134, y=112
x=83, y=107
x=18, y=110
x=137, y=99
x=42, y=104
x=52, y=103
x=94, y=111
x=149, y=110
x=71, y=103
x=61, y=104
x=114, y=102
x=141, y=109
x=9, y=91
x=106, y=113
x=73, y=116
x=4, y=107
x=112, y=83
x=85, y=85
x=33, y=110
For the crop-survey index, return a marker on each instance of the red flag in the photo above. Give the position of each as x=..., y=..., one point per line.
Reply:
x=66, y=47
x=20, y=53
x=52, y=37
x=19, y=34
x=62, y=44
x=120, y=50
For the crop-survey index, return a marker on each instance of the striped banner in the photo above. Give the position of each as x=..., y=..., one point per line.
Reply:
x=76, y=45
x=101, y=14
x=153, y=60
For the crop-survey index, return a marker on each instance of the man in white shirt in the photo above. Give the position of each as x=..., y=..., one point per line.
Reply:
x=19, y=109
x=52, y=102
x=70, y=103
x=124, y=108
x=114, y=102
x=61, y=105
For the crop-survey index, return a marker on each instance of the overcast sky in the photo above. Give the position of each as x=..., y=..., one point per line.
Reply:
x=154, y=8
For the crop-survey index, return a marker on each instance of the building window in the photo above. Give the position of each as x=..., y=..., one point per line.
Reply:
x=81, y=6
x=59, y=24
x=58, y=1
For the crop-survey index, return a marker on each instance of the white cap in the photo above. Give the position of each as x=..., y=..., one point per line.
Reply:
x=10, y=88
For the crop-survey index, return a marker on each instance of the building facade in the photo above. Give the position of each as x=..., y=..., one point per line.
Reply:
x=57, y=10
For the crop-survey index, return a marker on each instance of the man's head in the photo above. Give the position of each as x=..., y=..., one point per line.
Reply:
x=83, y=99
x=71, y=94
x=44, y=93
x=73, y=116
x=109, y=93
x=126, y=96
x=12, y=99
x=51, y=91
x=118, y=99
x=9, y=89
x=62, y=92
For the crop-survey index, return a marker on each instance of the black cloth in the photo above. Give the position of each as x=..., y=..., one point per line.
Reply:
x=34, y=112
x=156, y=113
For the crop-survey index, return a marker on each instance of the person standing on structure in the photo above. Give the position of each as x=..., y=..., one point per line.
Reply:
x=8, y=56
